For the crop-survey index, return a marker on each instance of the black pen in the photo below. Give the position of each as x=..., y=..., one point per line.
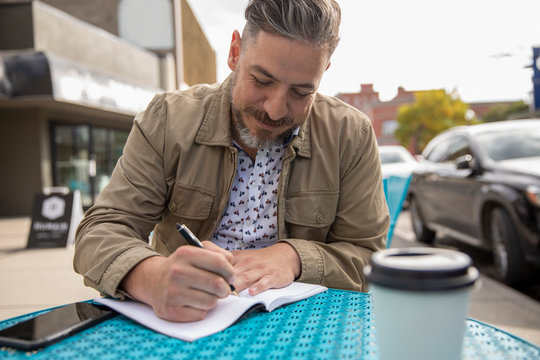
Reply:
x=192, y=240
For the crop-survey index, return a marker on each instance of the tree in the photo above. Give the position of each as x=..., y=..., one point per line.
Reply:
x=504, y=111
x=432, y=112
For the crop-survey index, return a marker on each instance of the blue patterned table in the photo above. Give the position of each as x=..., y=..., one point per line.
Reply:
x=333, y=325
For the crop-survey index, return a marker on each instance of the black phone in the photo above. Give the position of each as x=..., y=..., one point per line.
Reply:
x=52, y=326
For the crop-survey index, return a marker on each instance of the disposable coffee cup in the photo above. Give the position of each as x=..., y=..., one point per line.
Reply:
x=420, y=301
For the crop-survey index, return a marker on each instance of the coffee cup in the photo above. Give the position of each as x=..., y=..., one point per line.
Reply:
x=420, y=301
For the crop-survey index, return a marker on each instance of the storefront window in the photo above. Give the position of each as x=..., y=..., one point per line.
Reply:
x=108, y=145
x=72, y=159
x=84, y=156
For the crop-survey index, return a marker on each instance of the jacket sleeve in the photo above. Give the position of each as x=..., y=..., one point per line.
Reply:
x=113, y=236
x=360, y=225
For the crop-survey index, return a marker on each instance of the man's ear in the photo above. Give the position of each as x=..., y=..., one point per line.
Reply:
x=328, y=66
x=234, y=50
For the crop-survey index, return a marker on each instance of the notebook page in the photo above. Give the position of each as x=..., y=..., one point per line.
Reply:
x=274, y=298
x=226, y=312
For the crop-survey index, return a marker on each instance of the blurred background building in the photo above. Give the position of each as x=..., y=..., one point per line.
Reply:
x=383, y=114
x=73, y=73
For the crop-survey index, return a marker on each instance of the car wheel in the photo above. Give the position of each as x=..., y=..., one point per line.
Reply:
x=507, y=255
x=422, y=232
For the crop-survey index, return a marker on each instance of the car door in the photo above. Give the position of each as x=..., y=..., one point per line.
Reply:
x=429, y=183
x=461, y=188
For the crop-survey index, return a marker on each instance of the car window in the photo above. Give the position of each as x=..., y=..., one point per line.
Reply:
x=439, y=152
x=460, y=147
x=387, y=158
x=511, y=144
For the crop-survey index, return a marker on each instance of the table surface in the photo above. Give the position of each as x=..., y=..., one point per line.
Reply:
x=335, y=324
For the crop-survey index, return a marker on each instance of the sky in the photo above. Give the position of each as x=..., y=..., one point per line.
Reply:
x=477, y=48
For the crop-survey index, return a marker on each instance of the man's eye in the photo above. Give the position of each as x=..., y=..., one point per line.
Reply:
x=301, y=94
x=261, y=82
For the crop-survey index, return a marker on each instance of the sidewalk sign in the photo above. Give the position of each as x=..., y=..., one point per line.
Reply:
x=55, y=216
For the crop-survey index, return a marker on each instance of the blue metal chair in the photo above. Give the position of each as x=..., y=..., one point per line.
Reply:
x=395, y=190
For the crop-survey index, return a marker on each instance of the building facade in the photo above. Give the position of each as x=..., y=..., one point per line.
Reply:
x=383, y=114
x=70, y=87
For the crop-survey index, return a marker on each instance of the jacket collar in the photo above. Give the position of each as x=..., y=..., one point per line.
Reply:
x=215, y=128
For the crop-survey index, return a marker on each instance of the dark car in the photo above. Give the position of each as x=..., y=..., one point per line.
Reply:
x=480, y=184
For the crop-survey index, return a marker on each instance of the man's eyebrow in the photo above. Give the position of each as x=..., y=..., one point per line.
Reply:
x=263, y=71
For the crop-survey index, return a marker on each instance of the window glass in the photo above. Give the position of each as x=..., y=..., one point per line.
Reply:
x=460, y=147
x=439, y=153
x=84, y=157
x=506, y=144
x=108, y=145
x=389, y=127
x=391, y=157
x=71, y=164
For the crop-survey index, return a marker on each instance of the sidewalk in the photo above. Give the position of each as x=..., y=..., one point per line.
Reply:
x=37, y=279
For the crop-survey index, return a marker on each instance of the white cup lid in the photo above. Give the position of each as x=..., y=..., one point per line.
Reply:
x=422, y=269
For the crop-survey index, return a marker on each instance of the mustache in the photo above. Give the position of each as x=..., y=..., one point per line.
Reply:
x=262, y=116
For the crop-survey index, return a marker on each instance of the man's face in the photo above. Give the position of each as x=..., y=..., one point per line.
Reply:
x=274, y=84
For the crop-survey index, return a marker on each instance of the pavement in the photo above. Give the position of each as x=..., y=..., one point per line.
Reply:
x=35, y=279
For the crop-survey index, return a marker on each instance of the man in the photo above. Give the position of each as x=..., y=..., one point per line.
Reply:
x=286, y=179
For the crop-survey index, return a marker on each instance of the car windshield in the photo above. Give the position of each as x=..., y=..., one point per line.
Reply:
x=392, y=157
x=511, y=143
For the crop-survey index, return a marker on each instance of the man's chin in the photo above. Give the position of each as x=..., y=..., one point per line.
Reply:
x=261, y=140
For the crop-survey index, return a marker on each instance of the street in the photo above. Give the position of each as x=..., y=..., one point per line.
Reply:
x=482, y=260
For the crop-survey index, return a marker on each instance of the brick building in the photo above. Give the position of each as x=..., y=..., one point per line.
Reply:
x=383, y=114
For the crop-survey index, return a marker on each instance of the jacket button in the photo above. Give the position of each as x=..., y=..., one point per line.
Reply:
x=172, y=206
x=320, y=218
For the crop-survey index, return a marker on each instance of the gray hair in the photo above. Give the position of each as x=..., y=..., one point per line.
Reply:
x=313, y=21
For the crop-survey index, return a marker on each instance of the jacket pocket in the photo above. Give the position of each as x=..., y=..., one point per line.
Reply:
x=311, y=209
x=191, y=202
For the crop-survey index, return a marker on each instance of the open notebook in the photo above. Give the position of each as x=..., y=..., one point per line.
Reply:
x=226, y=312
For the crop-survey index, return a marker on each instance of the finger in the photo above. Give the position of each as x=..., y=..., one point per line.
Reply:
x=213, y=247
x=264, y=283
x=184, y=304
x=202, y=280
x=182, y=275
x=180, y=314
x=203, y=259
x=246, y=279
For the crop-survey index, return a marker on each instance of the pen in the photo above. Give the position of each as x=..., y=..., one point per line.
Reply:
x=192, y=240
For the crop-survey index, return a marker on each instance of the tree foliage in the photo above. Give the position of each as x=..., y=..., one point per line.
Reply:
x=504, y=111
x=432, y=112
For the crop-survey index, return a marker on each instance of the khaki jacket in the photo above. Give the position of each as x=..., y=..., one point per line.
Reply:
x=179, y=164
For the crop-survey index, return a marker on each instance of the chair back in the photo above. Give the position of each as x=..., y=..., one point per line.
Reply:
x=395, y=190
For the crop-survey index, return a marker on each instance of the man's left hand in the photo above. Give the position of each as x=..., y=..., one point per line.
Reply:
x=273, y=267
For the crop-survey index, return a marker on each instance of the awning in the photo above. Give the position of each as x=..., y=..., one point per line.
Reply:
x=30, y=74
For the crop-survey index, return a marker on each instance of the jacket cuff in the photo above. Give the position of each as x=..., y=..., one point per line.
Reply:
x=119, y=268
x=311, y=261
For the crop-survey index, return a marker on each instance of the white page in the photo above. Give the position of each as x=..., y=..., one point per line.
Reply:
x=274, y=298
x=226, y=312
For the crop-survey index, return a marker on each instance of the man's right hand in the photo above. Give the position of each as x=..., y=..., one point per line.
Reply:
x=184, y=286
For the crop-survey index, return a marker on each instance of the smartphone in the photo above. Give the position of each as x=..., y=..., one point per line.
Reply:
x=52, y=326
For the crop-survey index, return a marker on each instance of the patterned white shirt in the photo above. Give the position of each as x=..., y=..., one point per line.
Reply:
x=250, y=220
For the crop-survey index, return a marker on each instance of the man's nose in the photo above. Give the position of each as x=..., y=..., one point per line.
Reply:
x=276, y=105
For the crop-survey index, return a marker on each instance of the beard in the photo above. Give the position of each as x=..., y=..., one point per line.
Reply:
x=263, y=139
